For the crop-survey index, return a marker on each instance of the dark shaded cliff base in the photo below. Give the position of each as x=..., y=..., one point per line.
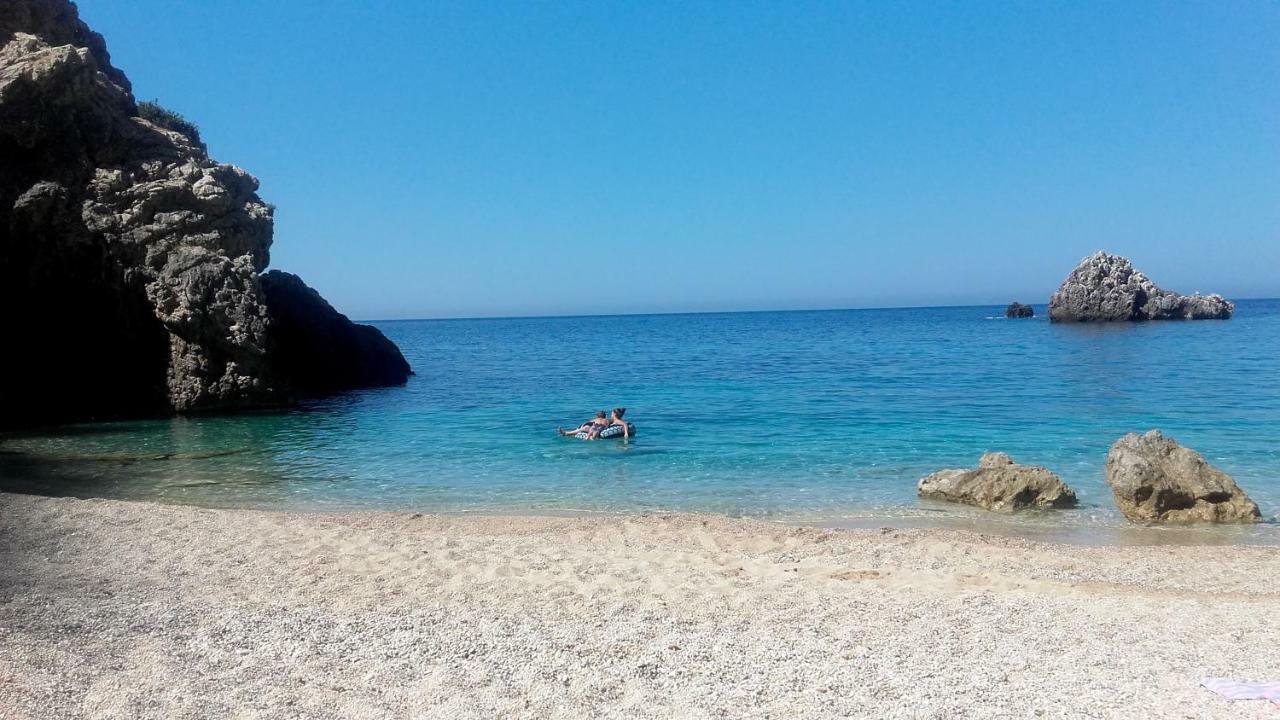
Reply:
x=131, y=261
x=1107, y=288
x=318, y=349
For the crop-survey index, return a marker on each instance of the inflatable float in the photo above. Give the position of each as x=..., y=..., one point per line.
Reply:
x=613, y=431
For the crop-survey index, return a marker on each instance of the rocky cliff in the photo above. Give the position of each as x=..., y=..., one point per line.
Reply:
x=1107, y=288
x=130, y=261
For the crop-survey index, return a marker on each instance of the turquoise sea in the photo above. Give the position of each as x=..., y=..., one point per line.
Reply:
x=824, y=416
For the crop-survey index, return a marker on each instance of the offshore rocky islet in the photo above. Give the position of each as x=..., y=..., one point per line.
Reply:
x=1107, y=288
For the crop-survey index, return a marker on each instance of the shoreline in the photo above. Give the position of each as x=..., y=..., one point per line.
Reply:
x=124, y=609
x=1053, y=526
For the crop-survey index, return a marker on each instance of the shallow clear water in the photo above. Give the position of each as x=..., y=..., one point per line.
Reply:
x=827, y=416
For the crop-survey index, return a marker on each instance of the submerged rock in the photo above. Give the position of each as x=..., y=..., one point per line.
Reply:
x=1000, y=484
x=1018, y=310
x=1106, y=288
x=1156, y=480
x=131, y=259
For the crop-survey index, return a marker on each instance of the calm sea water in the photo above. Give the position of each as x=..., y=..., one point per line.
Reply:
x=825, y=416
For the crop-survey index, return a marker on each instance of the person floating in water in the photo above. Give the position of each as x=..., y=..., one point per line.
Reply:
x=599, y=421
x=615, y=418
x=593, y=428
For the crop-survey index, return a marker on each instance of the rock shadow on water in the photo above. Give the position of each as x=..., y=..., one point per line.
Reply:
x=112, y=475
x=31, y=474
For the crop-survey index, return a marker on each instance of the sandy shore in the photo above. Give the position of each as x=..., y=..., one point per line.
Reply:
x=126, y=610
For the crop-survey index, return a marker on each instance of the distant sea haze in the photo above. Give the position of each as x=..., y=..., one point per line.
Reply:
x=825, y=416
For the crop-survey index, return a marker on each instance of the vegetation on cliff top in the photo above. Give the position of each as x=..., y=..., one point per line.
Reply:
x=154, y=112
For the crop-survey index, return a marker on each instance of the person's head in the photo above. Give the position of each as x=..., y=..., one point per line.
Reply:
x=619, y=412
x=600, y=414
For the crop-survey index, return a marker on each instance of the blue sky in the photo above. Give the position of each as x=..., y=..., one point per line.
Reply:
x=475, y=159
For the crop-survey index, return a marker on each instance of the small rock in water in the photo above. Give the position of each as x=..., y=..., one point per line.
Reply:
x=1018, y=310
x=998, y=483
x=1156, y=480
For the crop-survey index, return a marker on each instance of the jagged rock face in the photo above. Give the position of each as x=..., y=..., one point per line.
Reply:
x=1018, y=310
x=999, y=484
x=196, y=235
x=128, y=257
x=1156, y=480
x=317, y=349
x=136, y=254
x=57, y=23
x=1106, y=288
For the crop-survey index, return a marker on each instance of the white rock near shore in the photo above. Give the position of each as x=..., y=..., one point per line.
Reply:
x=999, y=484
x=1156, y=480
x=127, y=610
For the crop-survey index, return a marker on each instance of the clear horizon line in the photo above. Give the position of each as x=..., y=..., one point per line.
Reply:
x=714, y=312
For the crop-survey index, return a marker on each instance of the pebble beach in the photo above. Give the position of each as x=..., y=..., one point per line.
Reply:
x=112, y=609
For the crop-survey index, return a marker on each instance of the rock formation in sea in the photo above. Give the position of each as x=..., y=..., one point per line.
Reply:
x=1156, y=480
x=1018, y=310
x=1106, y=288
x=130, y=261
x=317, y=349
x=1000, y=484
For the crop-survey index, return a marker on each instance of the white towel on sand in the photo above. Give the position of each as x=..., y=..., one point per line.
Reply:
x=1228, y=688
